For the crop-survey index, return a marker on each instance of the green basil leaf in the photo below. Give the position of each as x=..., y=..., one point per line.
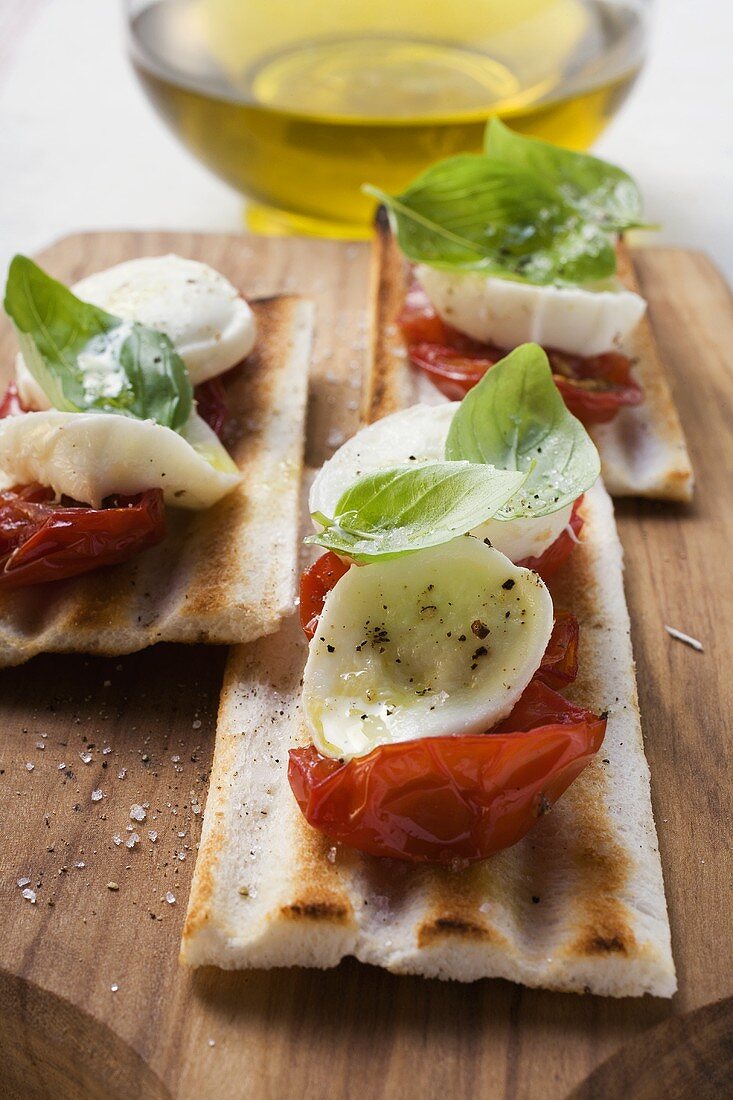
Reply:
x=476, y=214
x=87, y=360
x=599, y=191
x=410, y=507
x=516, y=419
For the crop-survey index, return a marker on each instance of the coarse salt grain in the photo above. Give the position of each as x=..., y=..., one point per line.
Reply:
x=170, y=897
x=122, y=773
x=181, y=856
x=29, y=767
x=107, y=749
x=196, y=725
x=212, y=1042
x=176, y=759
x=79, y=863
x=30, y=896
x=61, y=767
x=97, y=795
x=85, y=757
x=137, y=813
x=114, y=987
x=132, y=840
x=152, y=835
x=23, y=881
x=40, y=745
x=117, y=839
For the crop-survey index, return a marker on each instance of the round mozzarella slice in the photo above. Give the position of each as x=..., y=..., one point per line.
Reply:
x=90, y=456
x=577, y=320
x=419, y=433
x=208, y=322
x=442, y=641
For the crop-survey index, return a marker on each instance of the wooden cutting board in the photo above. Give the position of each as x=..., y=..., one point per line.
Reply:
x=93, y=1000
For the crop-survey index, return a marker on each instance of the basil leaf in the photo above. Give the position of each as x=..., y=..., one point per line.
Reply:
x=476, y=214
x=516, y=419
x=87, y=360
x=600, y=192
x=410, y=507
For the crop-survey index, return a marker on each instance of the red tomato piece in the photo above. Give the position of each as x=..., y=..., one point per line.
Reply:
x=11, y=403
x=315, y=584
x=560, y=550
x=453, y=372
x=595, y=388
x=212, y=405
x=442, y=799
x=44, y=541
x=559, y=665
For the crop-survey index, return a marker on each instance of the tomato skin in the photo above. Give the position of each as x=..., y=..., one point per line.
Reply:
x=559, y=665
x=558, y=552
x=43, y=541
x=212, y=405
x=442, y=799
x=593, y=388
x=11, y=403
x=315, y=584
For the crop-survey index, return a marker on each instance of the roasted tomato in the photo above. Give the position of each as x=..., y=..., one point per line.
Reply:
x=442, y=799
x=11, y=403
x=212, y=405
x=559, y=666
x=44, y=541
x=560, y=550
x=594, y=389
x=315, y=584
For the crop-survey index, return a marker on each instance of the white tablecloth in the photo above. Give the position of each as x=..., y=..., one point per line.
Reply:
x=80, y=148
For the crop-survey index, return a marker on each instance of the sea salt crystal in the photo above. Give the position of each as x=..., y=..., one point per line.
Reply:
x=152, y=835
x=23, y=881
x=79, y=863
x=107, y=749
x=170, y=897
x=40, y=745
x=195, y=808
x=181, y=856
x=132, y=840
x=196, y=724
x=30, y=895
x=122, y=773
x=212, y=1042
x=114, y=987
x=97, y=795
x=176, y=759
x=181, y=832
x=117, y=839
x=29, y=766
x=85, y=757
x=137, y=813
x=331, y=855
x=61, y=767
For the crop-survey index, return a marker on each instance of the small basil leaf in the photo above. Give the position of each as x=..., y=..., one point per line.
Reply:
x=476, y=214
x=599, y=191
x=516, y=419
x=410, y=507
x=87, y=360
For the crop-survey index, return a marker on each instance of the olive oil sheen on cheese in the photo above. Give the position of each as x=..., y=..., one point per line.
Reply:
x=298, y=102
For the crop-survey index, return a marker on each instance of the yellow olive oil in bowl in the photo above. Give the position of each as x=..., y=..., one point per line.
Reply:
x=298, y=102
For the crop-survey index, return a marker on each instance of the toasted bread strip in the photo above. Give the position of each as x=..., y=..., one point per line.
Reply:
x=643, y=448
x=578, y=905
x=224, y=575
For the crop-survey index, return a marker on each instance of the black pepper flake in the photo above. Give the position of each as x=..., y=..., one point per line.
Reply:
x=509, y=584
x=480, y=652
x=480, y=629
x=331, y=648
x=535, y=899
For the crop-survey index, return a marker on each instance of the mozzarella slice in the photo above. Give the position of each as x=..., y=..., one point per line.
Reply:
x=209, y=323
x=419, y=433
x=90, y=456
x=442, y=641
x=577, y=320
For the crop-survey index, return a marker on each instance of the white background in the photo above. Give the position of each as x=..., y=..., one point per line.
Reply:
x=80, y=148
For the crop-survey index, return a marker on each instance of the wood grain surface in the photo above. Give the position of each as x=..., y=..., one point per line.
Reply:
x=93, y=1000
